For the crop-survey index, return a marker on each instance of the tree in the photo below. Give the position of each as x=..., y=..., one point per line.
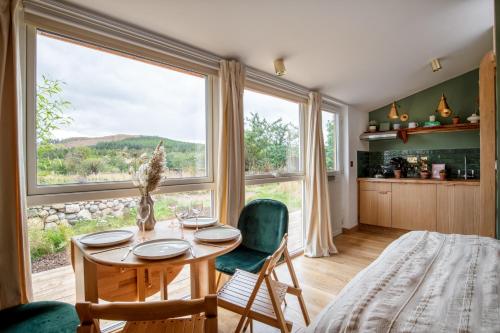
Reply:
x=269, y=145
x=330, y=145
x=50, y=107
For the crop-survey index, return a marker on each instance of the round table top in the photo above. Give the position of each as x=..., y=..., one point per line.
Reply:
x=111, y=256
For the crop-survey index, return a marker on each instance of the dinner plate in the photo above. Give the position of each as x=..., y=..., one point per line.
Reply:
x=202, y=222
x=106, y=238
x=217, y=234
x=158, y=249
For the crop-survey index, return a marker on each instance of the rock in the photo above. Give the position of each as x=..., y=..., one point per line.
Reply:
x=52, y=211
x=61, y=216
x=47, y=208
x=35, y=222
x=72, y=208
x=63, y=222
x=118, y=213
x=58, y=206
x=84, y=215
x=87, y=206
x=51, y=218
x=110, y=204
x=115, y=202
x=119, y=207
x=106, y=211
x=102, y=206
x=132, y=204
x=93, y=208
x=50, y=225
x=71, y=217
x=32, y=212
x=43, y=213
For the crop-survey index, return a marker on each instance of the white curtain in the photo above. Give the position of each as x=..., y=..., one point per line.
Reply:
x=319, y=242
x=231, y=176
x=14, y=282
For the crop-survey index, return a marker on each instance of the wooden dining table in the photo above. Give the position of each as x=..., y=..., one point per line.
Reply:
x=100, y=273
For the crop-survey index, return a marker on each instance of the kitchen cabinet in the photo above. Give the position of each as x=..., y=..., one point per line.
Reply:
x=375, y=204
x=458, y=209
x=414, y=206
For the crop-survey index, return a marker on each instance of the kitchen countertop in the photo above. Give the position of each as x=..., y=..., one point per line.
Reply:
x=473, y=182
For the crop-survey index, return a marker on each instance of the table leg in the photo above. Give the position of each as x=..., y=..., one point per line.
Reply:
x=85, y=277
x=164, y=284
x=203, y=278
x=141, y=284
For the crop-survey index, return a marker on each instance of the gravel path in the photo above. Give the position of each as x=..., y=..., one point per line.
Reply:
x=50, y=261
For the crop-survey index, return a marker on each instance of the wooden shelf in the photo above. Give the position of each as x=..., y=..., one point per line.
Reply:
x=404, y=133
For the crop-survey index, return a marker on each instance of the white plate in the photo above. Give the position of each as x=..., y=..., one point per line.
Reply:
x=106, y=238
x=161, y=248
x=202, y=222
x=217, y=234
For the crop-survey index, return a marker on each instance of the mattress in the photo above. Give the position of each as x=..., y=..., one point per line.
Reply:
x=422, y=282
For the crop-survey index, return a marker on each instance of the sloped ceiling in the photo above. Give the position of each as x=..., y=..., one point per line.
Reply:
x=363, y=52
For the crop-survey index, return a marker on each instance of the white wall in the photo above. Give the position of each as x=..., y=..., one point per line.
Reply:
x=343, y=187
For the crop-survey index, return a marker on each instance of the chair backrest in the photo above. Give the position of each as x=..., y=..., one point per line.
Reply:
x=272, y=260
x=263, y=223
x=152, y=316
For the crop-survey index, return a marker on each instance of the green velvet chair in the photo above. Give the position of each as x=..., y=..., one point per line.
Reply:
x=39, y=317
x=263, y=223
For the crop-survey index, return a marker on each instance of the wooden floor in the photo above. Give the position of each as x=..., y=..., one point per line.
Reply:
x=321, y=278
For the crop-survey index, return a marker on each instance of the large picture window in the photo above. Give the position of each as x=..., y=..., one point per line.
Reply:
x=330, y=127
x=98, y=111
x=273, y=156
x=272, y=135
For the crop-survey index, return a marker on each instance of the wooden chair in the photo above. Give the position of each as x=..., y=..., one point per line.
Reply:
x=259, y=297
x=161, y=316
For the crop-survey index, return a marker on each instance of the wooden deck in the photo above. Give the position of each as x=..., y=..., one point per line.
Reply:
x=321, y=278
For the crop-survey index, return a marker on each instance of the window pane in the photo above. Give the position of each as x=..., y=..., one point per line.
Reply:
x=50, y=228
x=329, y=120
x=272, y=135
x=97, y=110
x=290, y=193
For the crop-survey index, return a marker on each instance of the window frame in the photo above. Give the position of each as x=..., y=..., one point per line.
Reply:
x=45, y=194
x=338, y=120
x=270, y=178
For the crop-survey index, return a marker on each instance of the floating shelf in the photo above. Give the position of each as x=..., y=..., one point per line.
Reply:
x=404, y=133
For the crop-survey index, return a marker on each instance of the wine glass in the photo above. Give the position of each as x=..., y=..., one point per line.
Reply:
x=142, y=216
x=181, y=213
x=197, y=210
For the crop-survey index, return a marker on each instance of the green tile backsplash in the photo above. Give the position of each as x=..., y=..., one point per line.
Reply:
x=453, y=158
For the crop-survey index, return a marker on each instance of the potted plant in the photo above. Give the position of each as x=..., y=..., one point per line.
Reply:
x=400, y=166
x=442, y=174
x=372, y=126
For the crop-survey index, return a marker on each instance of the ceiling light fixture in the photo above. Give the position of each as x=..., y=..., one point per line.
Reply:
x=393, y=113
x=443, y=108
x=279, y=67
x=436, y=65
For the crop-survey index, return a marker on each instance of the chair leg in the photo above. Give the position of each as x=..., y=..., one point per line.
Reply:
x=277, y=309
x=304, y=309
x=218, y=280
x=275, y=276
x=248, y=323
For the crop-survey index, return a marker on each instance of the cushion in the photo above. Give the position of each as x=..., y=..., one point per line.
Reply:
x=263, y=223
x=43, y=317
x=242, y=258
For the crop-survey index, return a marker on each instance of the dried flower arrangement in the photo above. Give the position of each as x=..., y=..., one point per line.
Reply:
x=147, y=178
x=150, y=173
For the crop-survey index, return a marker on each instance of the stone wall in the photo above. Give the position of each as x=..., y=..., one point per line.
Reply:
x=50, y=216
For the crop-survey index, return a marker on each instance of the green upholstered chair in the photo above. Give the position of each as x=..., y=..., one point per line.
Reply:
x=40, y=317
x=263, y=223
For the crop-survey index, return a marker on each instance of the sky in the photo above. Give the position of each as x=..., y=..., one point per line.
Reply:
x=111, y=94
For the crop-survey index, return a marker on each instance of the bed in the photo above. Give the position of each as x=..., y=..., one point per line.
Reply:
x=422, y=282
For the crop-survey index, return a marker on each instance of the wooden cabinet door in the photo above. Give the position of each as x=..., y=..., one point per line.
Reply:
x=414, y=206
x=458, y=209
x=384, y=211
x=368, y=207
